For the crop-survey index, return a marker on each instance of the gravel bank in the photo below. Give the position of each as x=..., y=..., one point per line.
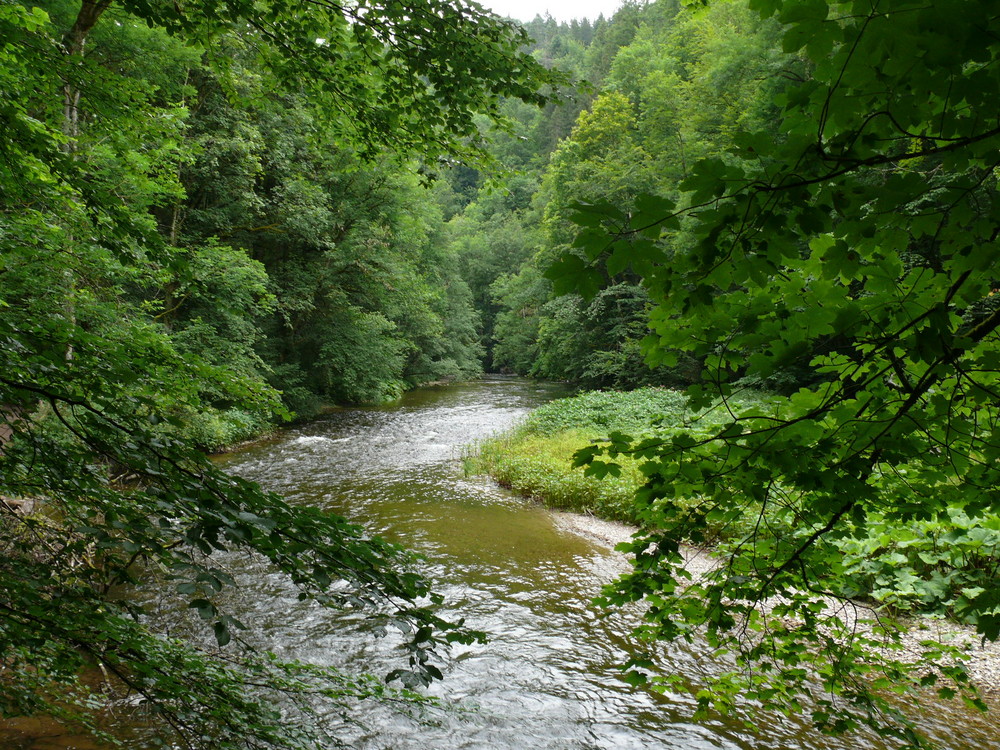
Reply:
x=984, y=658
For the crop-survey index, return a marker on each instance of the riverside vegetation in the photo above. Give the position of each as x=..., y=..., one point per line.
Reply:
x=537, y=458
x=897, y=574
x=216, y=216
x=925, y=568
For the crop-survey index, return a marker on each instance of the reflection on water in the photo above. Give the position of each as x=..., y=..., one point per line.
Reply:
x=548, y=678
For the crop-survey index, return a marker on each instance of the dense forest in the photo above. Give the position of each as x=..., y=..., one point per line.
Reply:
x=212, y=218
x=216, y=217
x=668, y=89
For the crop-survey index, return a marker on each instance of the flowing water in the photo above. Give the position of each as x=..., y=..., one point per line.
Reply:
x=549, y=677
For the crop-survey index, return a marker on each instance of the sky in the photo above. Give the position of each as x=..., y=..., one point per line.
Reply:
x=561, y=10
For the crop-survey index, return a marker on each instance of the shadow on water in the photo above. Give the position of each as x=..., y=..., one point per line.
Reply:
x=549, y=676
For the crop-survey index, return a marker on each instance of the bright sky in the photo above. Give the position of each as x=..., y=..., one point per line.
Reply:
x=561, y=10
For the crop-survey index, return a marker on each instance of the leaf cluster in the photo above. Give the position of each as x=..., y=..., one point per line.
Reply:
x=853, y=241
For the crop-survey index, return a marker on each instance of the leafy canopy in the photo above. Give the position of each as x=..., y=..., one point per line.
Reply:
x=409, y=75
x=857, y=242
x=99, y=382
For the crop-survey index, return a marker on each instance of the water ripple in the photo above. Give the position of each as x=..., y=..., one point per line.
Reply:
x=550, y=677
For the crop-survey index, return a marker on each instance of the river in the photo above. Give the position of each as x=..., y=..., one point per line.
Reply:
x=549, y=677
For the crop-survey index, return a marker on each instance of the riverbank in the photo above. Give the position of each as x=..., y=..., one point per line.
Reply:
x=984, y=656
x=923, y=571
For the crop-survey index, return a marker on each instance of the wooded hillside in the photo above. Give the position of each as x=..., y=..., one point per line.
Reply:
x=215, y=216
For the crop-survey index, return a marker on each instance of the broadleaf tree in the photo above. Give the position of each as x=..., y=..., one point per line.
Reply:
x=856, y=245
x=100, y=485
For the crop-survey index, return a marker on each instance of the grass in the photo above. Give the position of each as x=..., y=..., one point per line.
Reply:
x=535, y=459
x=540, y=467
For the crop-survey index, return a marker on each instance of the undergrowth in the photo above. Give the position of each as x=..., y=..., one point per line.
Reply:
x=934, y=566
x=536, y=458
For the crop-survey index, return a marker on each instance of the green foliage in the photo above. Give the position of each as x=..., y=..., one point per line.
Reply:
x=371, y=66
x=598, y=413
x=536, y=459
x=678, y=86
x=937, y=567
x=540, y=458
x=540, y=467
x=364, y=300
x=492, y=237
x=216, y=430
x=589, y=342
x=156, y=214
x=850, y=238
x=596, y=154
x=114, y=488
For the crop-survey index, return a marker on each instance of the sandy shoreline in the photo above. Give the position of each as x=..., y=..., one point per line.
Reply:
x=984, y=658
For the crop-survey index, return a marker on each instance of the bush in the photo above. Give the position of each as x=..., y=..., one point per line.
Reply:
x=217, y=429
x=935, y=566
x=598, y=412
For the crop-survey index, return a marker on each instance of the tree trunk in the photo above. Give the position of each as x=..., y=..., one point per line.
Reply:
x=73, y=45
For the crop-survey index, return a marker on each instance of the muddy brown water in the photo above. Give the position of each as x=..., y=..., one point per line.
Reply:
x=549, y=677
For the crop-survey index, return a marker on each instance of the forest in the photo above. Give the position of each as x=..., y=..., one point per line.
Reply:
x=217, y=217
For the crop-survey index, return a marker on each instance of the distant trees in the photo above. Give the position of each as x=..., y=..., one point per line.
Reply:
x=675, y=88
x=366, y=302
x=562, y=338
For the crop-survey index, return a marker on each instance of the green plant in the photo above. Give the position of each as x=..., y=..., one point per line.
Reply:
x=537, y=459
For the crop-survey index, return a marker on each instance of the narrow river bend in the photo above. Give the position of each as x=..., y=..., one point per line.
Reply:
x=549, y=676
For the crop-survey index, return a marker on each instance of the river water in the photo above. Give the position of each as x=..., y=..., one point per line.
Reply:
x=549, y=677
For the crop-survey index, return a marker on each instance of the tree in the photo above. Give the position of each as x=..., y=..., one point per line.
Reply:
x=97, y=385
x=359, y=297
x=412, y=76
x=857, y=242
x=696, y=78
x=601, y=162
